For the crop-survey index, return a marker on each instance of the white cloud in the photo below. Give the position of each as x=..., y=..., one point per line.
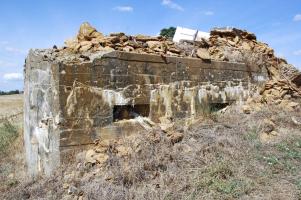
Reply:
x=297, y=17
x=14, y=50
x=7, y=64
x=172, y=5
x=3, y=42
x=13, y=77
x=124, y=8
x=297, y=53
x=208, y=13
x=280, y=55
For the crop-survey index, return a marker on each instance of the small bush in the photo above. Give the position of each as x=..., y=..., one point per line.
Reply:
x=8, y=133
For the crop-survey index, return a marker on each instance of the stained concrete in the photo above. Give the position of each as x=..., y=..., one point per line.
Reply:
x=70, y=104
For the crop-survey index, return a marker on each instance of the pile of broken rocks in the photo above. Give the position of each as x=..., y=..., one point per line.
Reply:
x=241, y=46
x=125, y=147
x=228, y=44
x=89, y=39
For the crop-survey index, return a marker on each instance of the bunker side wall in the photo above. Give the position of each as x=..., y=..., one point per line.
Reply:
x=41, y=135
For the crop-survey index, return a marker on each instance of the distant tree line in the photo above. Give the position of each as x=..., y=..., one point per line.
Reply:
x=11, y=92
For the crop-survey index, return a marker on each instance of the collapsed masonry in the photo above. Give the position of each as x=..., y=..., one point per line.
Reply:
x=90, y=88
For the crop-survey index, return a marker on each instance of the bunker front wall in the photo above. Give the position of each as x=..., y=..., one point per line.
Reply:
x=168, y=86
x=68, y=105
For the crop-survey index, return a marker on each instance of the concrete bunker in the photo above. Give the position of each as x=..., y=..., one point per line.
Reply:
x=70, y=103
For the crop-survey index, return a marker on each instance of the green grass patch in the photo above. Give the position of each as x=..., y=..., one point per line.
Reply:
x=220, y=180
x=253, y=137
x=298, y=183
x=8, y=133
x=284, y=156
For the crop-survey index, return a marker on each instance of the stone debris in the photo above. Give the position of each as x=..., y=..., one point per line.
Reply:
x=274, y=90
x=246, y=109
x=72, y=190
x=296, y=121
x=89, y=39
x=269, y=131
x=232, y=45
x=241, y=46
x=97, y=156
x=203, y=54
x=268, y=126
x=165, y=124
x=175, y=137
x=284, y=83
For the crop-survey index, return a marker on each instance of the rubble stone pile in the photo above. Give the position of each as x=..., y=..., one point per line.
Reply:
x=125, y=147
x=231, y=45
x=241, y=46
x=89, y=39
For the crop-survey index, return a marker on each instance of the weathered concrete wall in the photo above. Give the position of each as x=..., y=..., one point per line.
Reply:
x=41, y=133
x=69, y=104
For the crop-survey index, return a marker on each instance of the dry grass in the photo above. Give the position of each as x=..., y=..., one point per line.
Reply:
x=12, y=167
x=220, y=158
x=10, y=104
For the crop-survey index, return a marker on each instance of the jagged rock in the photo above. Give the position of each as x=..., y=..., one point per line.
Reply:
x=128, y=49
x=123, y=150
x=288, y=105
x=120, y=34
x=246, y=109
x=72, y=190
x=94, y=157
x=101, y=158
x=175, y=137
x=165, y=124
x=87, y=32
x=268, y=126
x=153, y=44
x=246, y=46
x=174, y=50
x=144, y=38
x=89, y=156
x=203, y=54
x=85, y=46
x=71, y=43
x=296, y=121
x=65, y=185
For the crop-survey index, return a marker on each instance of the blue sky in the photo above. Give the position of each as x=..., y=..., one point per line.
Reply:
x=43, y=23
